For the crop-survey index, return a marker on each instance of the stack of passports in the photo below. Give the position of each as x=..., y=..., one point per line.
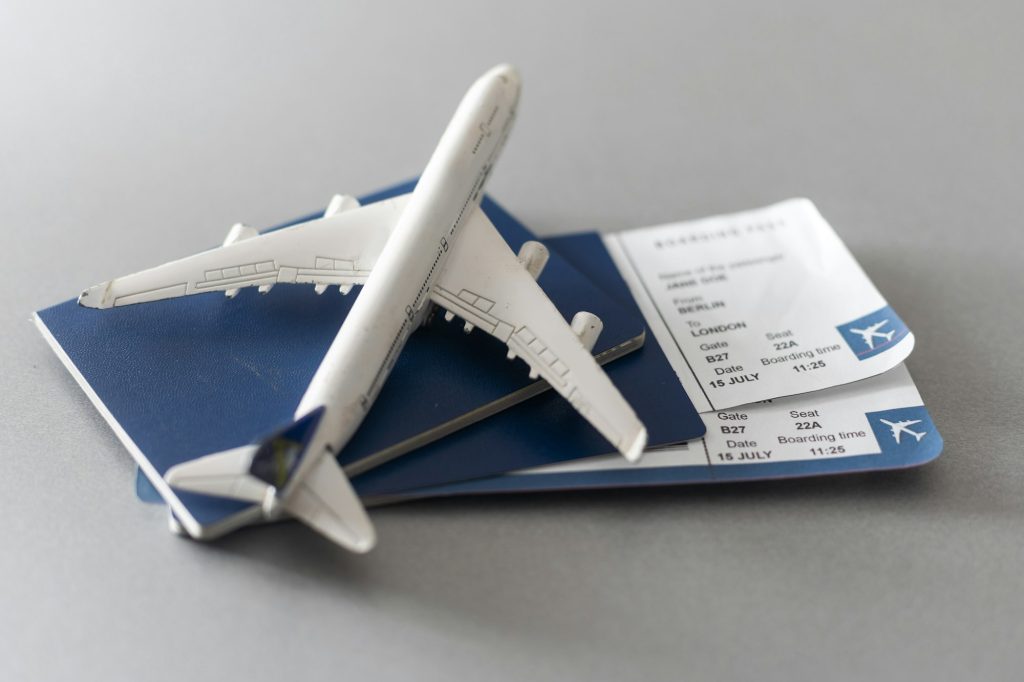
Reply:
x=181, y=378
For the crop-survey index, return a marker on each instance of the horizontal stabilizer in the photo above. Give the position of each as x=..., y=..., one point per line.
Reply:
x=265, y=473
x=326, y=501
x=250, y=472
x=224, y=474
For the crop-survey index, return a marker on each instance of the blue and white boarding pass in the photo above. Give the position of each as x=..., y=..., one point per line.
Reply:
x=759, y=305
x=878, y=423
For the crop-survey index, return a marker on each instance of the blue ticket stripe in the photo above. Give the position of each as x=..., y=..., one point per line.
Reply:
x=873, y=333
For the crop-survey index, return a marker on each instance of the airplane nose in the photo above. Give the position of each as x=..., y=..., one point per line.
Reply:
x=507, y=73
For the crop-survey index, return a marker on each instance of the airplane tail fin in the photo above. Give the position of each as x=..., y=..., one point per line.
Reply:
x=262, y=473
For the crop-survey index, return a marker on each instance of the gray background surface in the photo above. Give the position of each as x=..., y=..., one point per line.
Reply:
x=132, y=132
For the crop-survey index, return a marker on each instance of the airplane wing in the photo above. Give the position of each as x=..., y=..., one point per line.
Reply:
x=340, y=248
x=485, y=284
x=223, y=474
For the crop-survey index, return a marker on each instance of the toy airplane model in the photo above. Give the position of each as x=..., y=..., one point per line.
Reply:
x=432, y=247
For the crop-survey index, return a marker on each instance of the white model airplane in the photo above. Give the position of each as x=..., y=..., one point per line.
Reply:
x=871, y=333
x=899, y=428
x=431, y=247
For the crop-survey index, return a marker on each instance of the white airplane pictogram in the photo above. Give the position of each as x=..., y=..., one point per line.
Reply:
x=869, y=334
x=898, y=428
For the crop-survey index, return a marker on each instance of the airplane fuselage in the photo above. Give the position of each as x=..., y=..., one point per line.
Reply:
x=396, y=296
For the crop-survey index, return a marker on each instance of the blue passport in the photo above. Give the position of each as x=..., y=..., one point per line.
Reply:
x=184, y=377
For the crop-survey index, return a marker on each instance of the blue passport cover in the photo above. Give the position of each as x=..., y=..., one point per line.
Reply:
x=185, y=377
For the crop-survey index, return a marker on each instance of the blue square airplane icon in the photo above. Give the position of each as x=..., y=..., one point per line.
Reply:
x=873, y=333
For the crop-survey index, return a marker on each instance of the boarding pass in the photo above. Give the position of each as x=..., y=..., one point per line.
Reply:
x=759, y=305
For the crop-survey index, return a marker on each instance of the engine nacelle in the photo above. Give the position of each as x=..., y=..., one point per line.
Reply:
x=534, y=256
x=340, y=203
x=587, y=327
